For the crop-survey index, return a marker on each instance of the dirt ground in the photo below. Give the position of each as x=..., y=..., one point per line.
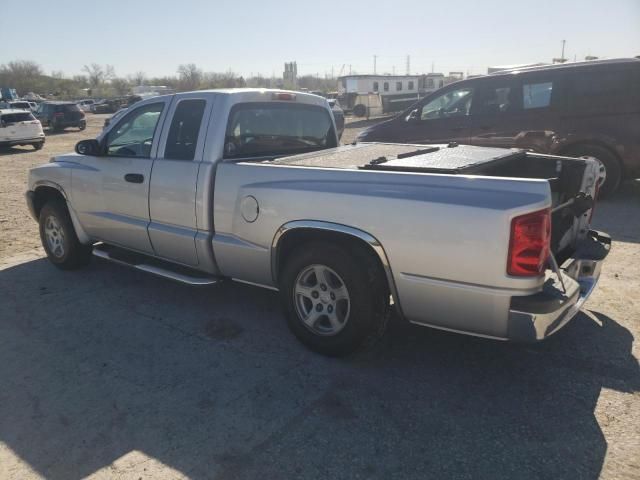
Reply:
x=111, y=373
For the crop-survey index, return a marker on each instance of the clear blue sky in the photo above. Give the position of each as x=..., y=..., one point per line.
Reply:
x=259, y=36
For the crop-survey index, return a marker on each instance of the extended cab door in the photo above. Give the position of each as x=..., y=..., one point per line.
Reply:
x=172, y=195
x=111, y=194
x=443, y=117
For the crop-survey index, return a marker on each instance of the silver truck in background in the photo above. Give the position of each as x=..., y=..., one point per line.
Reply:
x=251, y=185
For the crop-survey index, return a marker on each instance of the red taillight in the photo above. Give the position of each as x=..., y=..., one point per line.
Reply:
x=529, y=244
x=283, y=96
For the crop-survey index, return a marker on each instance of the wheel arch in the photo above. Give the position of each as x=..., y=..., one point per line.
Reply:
x=565, y=149
x=45, y=191
x=295, y=233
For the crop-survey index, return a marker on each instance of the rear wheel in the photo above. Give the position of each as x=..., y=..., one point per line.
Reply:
x=82, y=125
x=336, y=300
x=608, y=162
x=38, y=146
x=59, y=238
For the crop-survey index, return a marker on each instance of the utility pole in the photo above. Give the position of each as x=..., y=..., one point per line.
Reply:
x=432, y=67
x=375, y=58
x=408, y=64
x=349, y=69
x=562, y=56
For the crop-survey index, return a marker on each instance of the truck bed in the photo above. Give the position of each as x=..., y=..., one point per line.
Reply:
x=565, y=175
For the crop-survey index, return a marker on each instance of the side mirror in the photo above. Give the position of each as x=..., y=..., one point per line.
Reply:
x=414, y=116
x=88, y=147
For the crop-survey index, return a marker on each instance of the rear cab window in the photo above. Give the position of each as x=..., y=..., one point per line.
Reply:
x=274, y=129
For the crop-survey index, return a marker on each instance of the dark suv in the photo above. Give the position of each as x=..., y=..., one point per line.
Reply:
x=585, y=108
x=60, y=115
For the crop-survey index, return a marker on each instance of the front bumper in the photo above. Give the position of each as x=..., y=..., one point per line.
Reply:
x=536, y=317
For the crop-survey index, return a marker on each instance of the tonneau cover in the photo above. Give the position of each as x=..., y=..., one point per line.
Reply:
x=441, y=158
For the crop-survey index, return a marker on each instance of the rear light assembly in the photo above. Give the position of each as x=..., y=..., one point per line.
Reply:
x=530, y=244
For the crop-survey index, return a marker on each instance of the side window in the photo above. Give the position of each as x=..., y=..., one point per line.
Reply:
x=398, y=86
x=375, y=86
x=454, y=103
x=536, y=95
x=184, y=130
x=496, y=99
x=385, y=85
x=133, y=135
x=600, y=91
x=410, y=85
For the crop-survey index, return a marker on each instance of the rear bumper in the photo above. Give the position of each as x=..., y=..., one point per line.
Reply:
x=536, y=317
x=22, y=141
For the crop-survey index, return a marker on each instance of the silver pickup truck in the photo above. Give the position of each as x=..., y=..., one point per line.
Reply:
x=251, y=185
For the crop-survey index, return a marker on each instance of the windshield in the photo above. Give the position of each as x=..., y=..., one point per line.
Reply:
x=270, y=129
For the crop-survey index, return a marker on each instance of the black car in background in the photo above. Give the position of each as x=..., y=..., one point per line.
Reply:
x=60, y=115
x=574, y=109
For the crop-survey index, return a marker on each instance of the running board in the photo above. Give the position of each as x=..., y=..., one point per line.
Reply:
x=154, y=266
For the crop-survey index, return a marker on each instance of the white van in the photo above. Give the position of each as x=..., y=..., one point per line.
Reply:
x=20, y=127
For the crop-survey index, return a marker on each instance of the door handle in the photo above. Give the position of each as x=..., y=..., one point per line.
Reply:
x=134, y=177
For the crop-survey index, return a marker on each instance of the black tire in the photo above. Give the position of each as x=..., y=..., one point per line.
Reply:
x=73, y=254
x=82, y=126
x=607, y=159
x=368, y=310
x=38, y=146
x=359, y=110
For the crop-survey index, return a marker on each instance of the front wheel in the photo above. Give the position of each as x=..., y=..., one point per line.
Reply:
x=336, y=300
x=59, y=238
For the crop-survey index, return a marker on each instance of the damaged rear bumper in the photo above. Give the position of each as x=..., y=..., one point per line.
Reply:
x=536, y=317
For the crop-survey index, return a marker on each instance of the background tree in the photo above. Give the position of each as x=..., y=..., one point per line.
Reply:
x=98, y=74
x=190, y=76
x=138, y=78
x=120, y=86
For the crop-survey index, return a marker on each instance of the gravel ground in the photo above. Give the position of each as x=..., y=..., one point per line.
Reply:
x=111, y=373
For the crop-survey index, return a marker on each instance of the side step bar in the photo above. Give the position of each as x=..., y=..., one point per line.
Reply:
x=153, y=266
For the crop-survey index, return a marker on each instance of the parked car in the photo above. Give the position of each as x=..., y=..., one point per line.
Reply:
x=85, y=105
x=107, y=106
x=19, y=105
x=338, y=115
x=585, y=108
x=60, y=115
x=19, y=127
x=248, y=185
